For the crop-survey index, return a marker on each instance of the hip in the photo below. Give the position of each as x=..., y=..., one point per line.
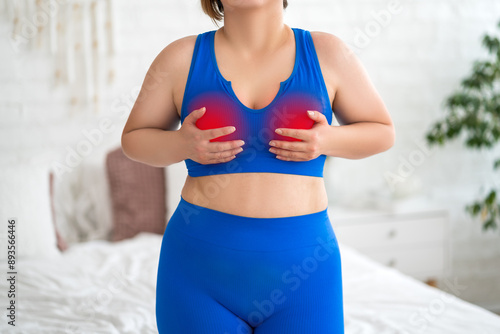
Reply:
x=213, y=259
x=248, y=233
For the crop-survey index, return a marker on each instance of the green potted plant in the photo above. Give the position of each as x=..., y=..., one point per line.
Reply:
x=473, y=111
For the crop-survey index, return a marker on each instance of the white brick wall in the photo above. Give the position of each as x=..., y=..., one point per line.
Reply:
x=415, y=62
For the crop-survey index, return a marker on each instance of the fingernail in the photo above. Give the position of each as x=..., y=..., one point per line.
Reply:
x=202, y=109
x=278, y=131
x=271, y=143
x=242, y=143
x=233, y=129
x=310, y=112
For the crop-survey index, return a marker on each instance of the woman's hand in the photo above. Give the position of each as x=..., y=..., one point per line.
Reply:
x=198, y=144
x=311, y=145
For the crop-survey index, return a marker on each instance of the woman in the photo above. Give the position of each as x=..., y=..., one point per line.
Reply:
x=250, y=248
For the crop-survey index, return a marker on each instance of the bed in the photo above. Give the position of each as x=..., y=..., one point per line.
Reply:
x=104, y=287
x=106, y=284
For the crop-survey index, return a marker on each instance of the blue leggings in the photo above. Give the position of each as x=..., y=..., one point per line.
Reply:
x=220, y=273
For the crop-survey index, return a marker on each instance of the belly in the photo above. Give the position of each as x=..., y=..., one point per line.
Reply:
x=260, y=195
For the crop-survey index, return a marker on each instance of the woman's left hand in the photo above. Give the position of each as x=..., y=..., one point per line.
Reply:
x=311, y=145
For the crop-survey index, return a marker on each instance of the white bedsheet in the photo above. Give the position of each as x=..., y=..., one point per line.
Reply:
x=101, y=287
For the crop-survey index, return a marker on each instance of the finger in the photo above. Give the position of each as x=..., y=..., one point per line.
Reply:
x=222, y=146
x=195, y=115
x=292, y=155
x=218, y=132
x=317, y=116
x=286, y=153
x=221, y=156
x=290, y=159
x=288, y=145
x=216, y=161
x=294, y=133
x=223, y=160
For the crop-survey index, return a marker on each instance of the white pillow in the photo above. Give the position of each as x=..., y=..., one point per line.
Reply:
x=25, y=196
x=81, y=201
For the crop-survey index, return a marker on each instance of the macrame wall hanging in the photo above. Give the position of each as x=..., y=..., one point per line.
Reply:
x=78, y=37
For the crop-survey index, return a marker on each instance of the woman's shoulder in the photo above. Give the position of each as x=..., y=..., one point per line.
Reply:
x=337, y=60
x=325, y=38
x=173, y=61
x=331, y=47
x=177, y=52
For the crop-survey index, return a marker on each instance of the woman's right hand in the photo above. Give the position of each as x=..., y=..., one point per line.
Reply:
x=198, y=144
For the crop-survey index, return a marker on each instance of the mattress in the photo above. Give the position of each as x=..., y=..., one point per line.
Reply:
x=104, y=287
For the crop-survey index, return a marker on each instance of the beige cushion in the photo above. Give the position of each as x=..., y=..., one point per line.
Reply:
x=138, y=196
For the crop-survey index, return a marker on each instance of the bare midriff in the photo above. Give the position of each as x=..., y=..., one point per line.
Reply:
x=259, y=195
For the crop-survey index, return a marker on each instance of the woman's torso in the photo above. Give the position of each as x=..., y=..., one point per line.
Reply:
x=255, y=194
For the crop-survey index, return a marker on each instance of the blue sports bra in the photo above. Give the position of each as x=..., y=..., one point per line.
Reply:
x=303, y=90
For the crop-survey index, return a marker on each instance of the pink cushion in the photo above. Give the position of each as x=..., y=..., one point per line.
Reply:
x=138, y=196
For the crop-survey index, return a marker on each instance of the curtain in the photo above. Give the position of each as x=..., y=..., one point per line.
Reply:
x=76, y=36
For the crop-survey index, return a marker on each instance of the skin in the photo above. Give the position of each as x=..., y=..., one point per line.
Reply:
x=255, y=50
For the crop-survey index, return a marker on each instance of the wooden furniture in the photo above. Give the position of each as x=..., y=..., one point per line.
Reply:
x=413, y=241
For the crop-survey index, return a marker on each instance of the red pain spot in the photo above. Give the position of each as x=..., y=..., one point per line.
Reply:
x=220, y=112
x=292, y=114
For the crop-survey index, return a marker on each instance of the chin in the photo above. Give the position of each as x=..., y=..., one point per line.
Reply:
x=247, y=4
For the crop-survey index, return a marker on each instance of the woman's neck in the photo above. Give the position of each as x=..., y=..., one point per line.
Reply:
x=254, y=30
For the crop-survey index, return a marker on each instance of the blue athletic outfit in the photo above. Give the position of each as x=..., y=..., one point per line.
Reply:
x=227, y=274
x=304, y=90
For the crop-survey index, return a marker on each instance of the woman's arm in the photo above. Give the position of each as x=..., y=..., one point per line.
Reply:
x=146, y=137
x=150, y=134
x=365, y=127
